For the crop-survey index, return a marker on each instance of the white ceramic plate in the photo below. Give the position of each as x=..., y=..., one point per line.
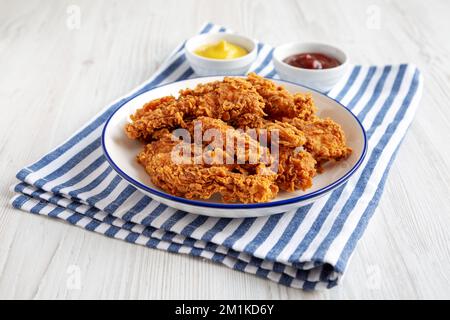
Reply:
x=121, y=152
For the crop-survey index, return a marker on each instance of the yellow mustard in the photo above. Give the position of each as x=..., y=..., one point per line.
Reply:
x=221, y=50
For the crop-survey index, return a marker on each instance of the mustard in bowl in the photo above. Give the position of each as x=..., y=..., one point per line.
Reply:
x=221, y=50
x=220, y=53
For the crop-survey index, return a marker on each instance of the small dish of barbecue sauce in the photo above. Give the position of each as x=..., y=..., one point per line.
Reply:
x=315, y=65
x=312, y=60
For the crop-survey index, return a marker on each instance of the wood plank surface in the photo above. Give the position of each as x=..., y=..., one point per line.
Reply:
x=53, y=78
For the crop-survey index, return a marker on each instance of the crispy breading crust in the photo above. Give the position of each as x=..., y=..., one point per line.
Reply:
x=279, y=102
x=232, y=100
x=325, y=139
x=203, y=181
x=296, y=169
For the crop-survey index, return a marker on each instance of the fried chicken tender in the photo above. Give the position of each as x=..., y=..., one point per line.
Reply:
x=233, y=100
x=280, y=102
x=288, y=135
x=238, y=146
x=325, y=139
x=296, y=169
x=203, y=181
x=159, y=114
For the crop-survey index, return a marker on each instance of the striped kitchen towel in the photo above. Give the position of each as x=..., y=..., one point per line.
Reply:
x=306, y=248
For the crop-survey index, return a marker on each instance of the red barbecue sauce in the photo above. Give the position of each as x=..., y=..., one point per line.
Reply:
x=312, y=60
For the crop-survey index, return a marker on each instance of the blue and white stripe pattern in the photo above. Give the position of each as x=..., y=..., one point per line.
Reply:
x=306, y=248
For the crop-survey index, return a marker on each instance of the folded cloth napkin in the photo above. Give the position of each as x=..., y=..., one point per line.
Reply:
x=305, y=248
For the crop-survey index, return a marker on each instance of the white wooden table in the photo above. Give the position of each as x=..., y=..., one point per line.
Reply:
x=54, y=77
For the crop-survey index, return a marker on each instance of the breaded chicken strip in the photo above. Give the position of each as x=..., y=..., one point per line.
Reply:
x=159, y=114
x=325, y=139
x=233, y=100
x=296, y=169
x=281, y=103
x=203, y=181
x=288, y=135
x=238, y=145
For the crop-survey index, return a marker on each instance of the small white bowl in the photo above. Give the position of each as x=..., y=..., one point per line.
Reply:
x=319, y=79
x=207, y=67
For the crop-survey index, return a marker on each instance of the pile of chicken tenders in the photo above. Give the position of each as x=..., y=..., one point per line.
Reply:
x=264, y=140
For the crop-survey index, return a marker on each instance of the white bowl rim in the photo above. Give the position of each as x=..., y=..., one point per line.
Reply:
x=199, y=203
x=297, y=69
x=206, y=35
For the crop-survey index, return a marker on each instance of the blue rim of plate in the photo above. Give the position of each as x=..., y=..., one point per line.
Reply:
x=199, y=203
